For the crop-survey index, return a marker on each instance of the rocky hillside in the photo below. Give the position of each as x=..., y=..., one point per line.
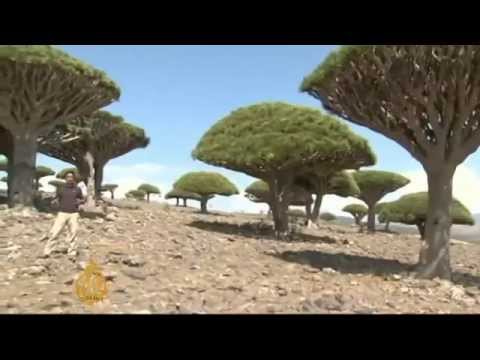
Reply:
x=168, y=260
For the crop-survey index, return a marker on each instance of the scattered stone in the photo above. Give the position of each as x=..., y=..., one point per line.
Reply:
x=457, y=293
x=34, y=270
x=397, y=277
x=134, y=274
x=329, y=270
x=110, y=217
x=134, y=261
x=195, y=267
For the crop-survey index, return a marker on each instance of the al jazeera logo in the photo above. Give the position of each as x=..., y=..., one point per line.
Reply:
x=91, y=285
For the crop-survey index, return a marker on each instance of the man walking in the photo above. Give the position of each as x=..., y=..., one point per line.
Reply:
x=69, y=197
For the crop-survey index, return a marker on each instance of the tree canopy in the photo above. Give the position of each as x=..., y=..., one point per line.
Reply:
x=3, y=164
x=277, y=141
x=274, y=137
x=358, y=211
x=136, y=194
x=424, y=97
x=206, y=184
x=149, y=189
x=43, y=171
x=43, y=87
x=90, y=141
x=374, y=185
x=412, y=209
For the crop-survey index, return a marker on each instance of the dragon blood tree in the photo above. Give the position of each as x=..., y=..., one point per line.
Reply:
x=340, y=183
x=149, y=189
x=358, y=211
x=424, y=97
x=412, y=209
x=57, y=184
x=138, y=195
x=110, y=188
x=89, y=142
x=184, y=195
x=207, y=185
x=42, y=87
x=374, y=185
x=41, y=172
x=277, y=141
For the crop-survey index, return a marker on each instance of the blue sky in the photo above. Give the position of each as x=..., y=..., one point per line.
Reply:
x=177, y=92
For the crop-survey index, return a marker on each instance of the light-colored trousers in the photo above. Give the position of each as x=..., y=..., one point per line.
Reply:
x=61, y=220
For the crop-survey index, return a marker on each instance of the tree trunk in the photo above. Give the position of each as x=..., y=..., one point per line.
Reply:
x=279, y=209
x=37, y=183
x=387, y=226
x=111, y=194
x=421, y=230
x=203, y=205
x=371, y=218
x=178, y=202
x=90, y=180
x=316, y=207
x=184, y=202
x=98, y=179
x=434, y=260
x=22, y=170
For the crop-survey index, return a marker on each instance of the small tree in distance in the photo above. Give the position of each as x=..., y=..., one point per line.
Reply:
x=41, y=172
x=326, y=216
x=358, y=211
x=138, y=195
x=374, y=185
x=149, y=189
x=110, y=188
x=206, y=184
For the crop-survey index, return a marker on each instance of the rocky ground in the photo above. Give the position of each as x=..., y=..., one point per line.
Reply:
x=169, y=260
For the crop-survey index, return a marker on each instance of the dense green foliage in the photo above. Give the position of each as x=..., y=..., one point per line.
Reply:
x=272, y=137
x=327, y=216
x=3, y=164
x=47, y=55
x=374, y=184
x=149, y=189
x=356, y=209
x=56, y=183
x=43, y=171
x=206, y=183
x=136, y=194
x=412, y=209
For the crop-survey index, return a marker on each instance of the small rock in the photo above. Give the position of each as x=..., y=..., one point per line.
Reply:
x=33, y=270
x=404, y=290
x=135, y=261
x=134, y=274
x=195, y=267
x=110, y=217
x=329, y=270
x=177, y=256
x=457, y=293
x=110, y=275
x=231, y=239
x=113, y=209
x=397, y=277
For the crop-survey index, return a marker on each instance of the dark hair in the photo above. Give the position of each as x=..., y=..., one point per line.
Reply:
x=70, y=172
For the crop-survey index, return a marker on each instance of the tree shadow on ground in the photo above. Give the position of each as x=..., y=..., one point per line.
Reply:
x=356, y=264
x=256, y=230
